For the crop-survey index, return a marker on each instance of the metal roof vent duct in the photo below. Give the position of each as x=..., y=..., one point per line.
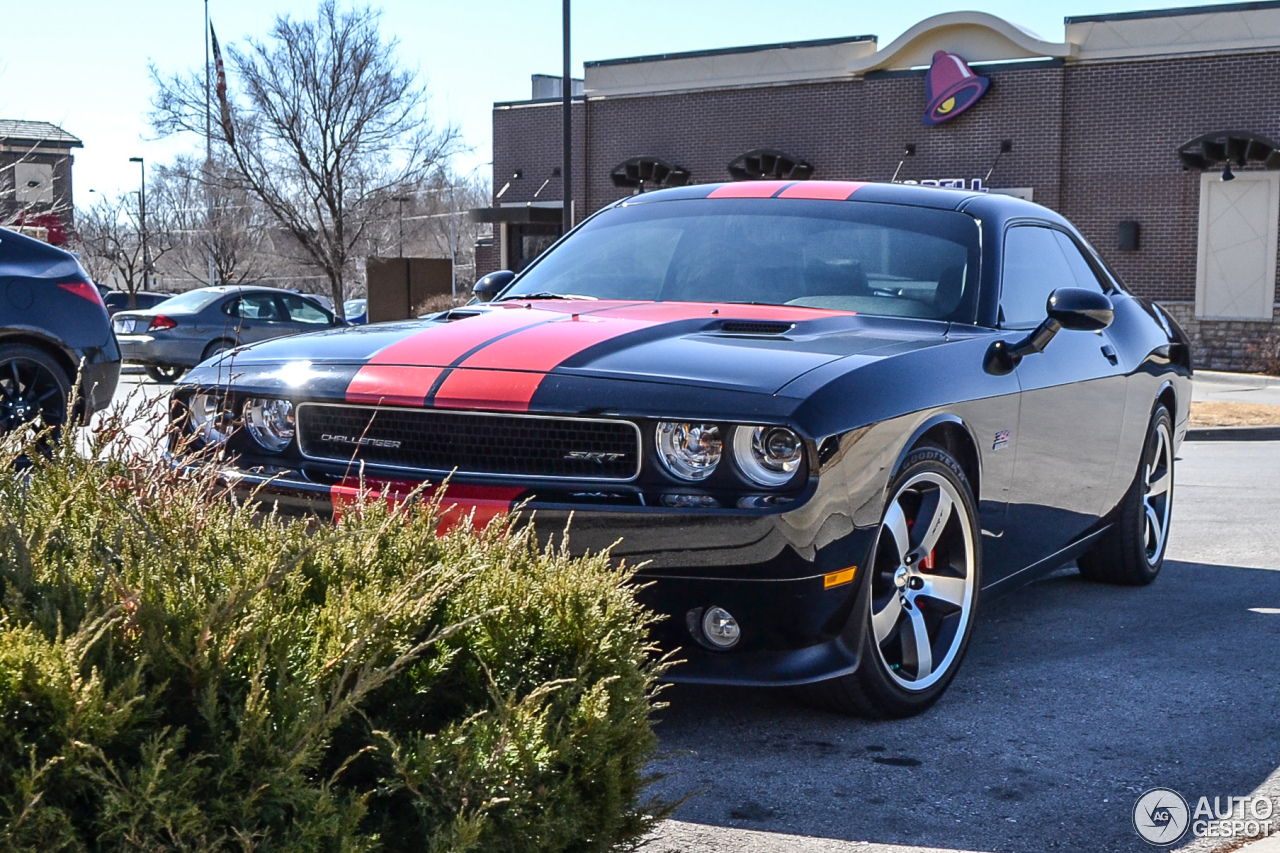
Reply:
x=766, y=164
x=645, y=172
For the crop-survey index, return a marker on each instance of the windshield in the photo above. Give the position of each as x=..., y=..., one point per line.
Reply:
x=890, y=260
x=192, y=300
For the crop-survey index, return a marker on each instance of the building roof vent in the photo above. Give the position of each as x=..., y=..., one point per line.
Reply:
x=766, y=164
x=1239, y=147
x=649, y=173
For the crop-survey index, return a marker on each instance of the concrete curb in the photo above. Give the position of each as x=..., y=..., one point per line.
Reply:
x=1239, y=433
x=1221, y=377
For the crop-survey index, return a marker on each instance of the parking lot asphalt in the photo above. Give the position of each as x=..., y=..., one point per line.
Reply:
x=1075, y=698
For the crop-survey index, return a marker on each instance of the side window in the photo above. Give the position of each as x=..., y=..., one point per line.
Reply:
x=1034, y=267
x=259, y=306
x=302, y=311
x=1085, y=276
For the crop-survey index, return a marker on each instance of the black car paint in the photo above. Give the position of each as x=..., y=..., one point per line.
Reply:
x=1073, y=425
x=35, y=311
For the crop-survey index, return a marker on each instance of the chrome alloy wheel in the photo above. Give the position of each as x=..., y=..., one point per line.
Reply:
x=922, y=583
x=1157, y=493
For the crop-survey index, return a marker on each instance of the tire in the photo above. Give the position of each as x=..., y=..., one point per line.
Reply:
x=32, y=385
x=165, y=374
x=1132, y=551
x=216, y=347
x=938, y=592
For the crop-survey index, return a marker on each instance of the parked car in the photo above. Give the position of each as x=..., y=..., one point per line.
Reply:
x=186, y=329
x=118, y=300
x=53, y=328
x=825, y=418
x=356, y=311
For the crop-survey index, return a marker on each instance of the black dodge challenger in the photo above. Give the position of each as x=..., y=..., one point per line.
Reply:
x=829, y=417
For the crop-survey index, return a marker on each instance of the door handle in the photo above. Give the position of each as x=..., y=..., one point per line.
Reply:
x=1110, y=352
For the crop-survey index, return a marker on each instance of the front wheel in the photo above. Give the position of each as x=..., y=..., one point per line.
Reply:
x=925, y=574
x=1132, y=551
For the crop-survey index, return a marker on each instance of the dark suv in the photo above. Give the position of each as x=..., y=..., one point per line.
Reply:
x=53, y=328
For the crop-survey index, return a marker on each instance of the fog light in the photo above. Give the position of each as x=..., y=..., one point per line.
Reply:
x=690, y=501
x=720, y=628
x=270, y=422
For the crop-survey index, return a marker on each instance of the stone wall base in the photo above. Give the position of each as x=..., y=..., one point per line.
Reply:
x=1224, y=344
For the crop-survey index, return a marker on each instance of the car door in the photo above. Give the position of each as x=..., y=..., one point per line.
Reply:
x=262, y=316
x=304, y=315
x=1072, y=401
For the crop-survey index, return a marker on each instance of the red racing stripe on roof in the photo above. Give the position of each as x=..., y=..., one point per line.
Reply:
x=823, y=190
x=749, y=189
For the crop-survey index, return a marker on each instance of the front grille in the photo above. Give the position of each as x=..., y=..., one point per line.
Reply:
x=440, y=441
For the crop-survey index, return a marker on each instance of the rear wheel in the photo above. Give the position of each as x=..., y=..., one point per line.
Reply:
x=33, y=389
x=165, y=373
x=1132, y=551
x=924, y=575
x=215, y=348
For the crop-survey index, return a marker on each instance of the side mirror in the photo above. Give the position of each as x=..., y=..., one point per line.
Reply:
x=492, y=284
x=1080, y=310
x=1073, y=308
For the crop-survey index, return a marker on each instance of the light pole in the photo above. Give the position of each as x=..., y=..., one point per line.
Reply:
x=400, y=200
x=566, y=107
x=142, y=221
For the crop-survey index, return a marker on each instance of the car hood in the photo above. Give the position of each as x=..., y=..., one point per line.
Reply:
x=756, y=348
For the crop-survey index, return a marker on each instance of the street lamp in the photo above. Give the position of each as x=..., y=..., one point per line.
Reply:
x=142, y=219
x=401, y=199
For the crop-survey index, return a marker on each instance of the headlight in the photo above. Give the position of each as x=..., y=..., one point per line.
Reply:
x=270, y=422
x=210, y=418
x=767, y=455
x=689, y=451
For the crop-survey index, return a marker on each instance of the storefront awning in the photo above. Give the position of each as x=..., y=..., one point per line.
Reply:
x=769, y=164
x=648, y=172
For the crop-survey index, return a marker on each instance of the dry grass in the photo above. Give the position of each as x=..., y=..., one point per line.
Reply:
x=1234, y=414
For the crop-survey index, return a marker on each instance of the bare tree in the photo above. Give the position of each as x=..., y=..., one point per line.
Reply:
x=211, y=215
x=110, y=242
x=326, y=123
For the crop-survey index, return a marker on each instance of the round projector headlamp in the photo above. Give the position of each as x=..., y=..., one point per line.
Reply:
x=270, y=422
x=689, y=451
x=210, y=418
x=768, y=455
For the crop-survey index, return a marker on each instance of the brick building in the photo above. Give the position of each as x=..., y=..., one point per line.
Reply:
x=35, y=178
x=1128, y=127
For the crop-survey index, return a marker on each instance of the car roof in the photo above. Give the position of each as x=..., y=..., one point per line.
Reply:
x=941, y=198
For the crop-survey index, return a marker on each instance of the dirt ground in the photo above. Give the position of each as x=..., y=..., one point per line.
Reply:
x=1215, y=414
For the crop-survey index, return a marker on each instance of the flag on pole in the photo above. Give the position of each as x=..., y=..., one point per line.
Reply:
x=222, y=88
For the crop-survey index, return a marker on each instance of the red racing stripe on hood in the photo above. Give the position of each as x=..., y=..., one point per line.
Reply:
x=505, y=375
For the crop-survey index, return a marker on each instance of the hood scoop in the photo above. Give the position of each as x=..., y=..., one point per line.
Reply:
x=755, y=328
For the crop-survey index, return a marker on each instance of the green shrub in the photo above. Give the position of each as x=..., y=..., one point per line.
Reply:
x=182, y=672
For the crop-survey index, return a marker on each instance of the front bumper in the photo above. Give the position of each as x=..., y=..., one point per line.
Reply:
x=768, y=570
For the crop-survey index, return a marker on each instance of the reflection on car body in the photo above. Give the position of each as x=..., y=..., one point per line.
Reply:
x=830, y=417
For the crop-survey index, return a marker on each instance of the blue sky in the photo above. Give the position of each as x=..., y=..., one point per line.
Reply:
x=83, y=63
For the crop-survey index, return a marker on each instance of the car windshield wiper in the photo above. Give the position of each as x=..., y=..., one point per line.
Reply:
x=546, y=294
